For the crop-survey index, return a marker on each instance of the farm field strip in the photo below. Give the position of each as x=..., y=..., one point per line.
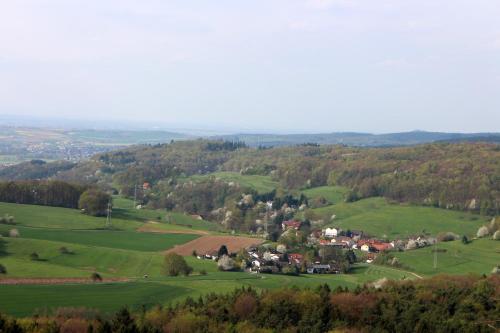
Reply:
x=130, y=240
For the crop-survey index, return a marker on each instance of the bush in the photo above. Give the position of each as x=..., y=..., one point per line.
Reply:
x=14, y=233
x=290, y=270
x=447, y=237
x=225, y=263
x=496, y=235
x=34, y=256
x=64, y=250
x=203, y=272
x=483, y=232
x=222, y=251
x=96, y=277
x=174, y=264
x=3, y=270
x=7, y=219
x=94, y=202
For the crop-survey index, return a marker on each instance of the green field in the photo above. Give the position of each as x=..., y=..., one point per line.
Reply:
x=61, y=218
x=333, y=194
x=123, y=252
x=377, y=217
x=24, y=300
x=261, y=184
x=130, y=240
x=478, y=257
x=123, y=210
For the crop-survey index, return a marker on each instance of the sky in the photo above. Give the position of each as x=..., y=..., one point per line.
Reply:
x=272, y=65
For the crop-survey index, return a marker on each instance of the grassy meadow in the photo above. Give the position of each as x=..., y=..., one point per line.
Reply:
x=477, y=257
x=380, y=218
x=123, y=252
x=333, y=194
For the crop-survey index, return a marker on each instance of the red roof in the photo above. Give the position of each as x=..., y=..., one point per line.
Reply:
x=381, y=246
x=292, y=224
x=295, y=256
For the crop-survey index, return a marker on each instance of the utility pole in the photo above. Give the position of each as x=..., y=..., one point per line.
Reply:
x=435, y=256
x=108, y=218
x=135, y=195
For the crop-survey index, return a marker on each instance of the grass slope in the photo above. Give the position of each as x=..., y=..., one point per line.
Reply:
x=333, y=194
x=23, y=300
x=123, y=209
x=60, y=218
x=84, y=260
x=478, y=257
x=129, y=240
x=379, y=218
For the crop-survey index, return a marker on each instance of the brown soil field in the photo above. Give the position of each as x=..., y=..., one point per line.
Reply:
x=12, y=281
x=209, y=244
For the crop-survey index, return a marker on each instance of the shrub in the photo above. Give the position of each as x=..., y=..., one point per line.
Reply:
x=411, y=245
x=203, y=272
x=222, y=251
x=225, y=263
x=14, y=233
x=281, y=248
x=64, y=250
x=496, y=235
x=447, y=237
x=96, y=277
x=34, y=256
x=174, y=264
x=7, y=219
x=3, y=270
x=194, y=253
x=94, y=202
x=465, y=240
x=483, y=232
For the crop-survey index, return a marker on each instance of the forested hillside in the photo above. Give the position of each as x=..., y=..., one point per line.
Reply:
x=462, y=176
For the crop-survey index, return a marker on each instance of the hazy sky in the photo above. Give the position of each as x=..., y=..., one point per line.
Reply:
x=287, y=65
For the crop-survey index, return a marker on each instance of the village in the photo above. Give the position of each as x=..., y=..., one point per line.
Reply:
x=330, y=250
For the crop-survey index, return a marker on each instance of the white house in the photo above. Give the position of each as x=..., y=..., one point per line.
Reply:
x=365, y=248
x=331, y=232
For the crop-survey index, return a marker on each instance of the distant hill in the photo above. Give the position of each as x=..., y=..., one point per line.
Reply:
x=360, y=139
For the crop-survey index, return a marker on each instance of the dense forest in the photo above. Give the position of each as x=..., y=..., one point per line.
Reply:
x=462, y=176
x=441, y=304
x=45, y=193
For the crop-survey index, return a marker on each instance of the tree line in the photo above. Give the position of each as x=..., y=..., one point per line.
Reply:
x=56, y=194
x=46, y=193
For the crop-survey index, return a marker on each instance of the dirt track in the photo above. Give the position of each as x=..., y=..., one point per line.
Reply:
x=209, y=244
x=15, y=281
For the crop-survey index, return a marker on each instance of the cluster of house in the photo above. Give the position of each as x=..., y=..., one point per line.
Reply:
x=357, y=240
x=272, y=261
